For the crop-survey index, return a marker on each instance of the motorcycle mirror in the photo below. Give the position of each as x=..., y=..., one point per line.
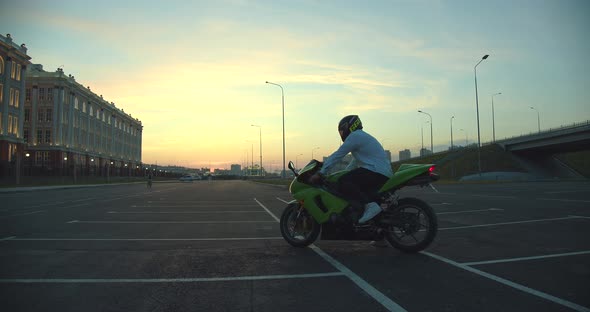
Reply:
x=292, y=168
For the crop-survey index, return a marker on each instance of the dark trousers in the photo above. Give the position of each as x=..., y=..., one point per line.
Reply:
x=360, y=185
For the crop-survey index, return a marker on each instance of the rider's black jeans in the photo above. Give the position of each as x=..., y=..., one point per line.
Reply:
x=361, y=185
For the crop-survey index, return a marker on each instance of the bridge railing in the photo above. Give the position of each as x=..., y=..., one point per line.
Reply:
x=542, y=132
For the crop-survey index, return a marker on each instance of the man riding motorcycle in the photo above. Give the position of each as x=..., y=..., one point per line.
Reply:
x=373, y=169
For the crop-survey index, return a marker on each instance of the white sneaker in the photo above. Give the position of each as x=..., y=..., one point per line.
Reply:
x=371, y=210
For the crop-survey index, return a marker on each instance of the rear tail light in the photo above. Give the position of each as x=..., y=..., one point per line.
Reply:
x=431, y=169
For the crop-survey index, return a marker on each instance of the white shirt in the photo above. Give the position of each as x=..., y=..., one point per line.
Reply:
x=366, y=151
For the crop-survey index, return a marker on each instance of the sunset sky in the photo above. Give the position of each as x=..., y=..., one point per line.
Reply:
x=194, y=72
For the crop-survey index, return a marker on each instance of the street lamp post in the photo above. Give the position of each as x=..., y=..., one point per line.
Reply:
x=313, y=149
x=493, y=121
x=431, y=146
x=477, y=111
x=260, y=140
x=422, y=136
x=252, y=158
x=283, y=104
x=538, y=119
x=452, y=132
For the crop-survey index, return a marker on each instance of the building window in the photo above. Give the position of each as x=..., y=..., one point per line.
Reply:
x=15, y=125
x=27, y=114
x=18, y=69
x=48, y=136
x=26, y=135
x=9, y=129
x=16, y=98
x=13, y=70
x=50, y=94
x=41, y=115
x=76, y=103
x=28, y=94
x=1, y=93
x=12, y=125
x=1, y=65
x=41, y=94
x=49, y=114
x=11, y=97
x=39, y=136
x=11, y=151
x=83, y=107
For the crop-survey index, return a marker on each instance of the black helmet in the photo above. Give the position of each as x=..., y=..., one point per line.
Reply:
x=349, y=124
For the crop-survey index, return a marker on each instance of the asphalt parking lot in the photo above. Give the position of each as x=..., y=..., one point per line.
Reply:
x=216, y=246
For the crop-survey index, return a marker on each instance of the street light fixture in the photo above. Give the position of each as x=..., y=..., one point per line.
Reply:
x=538, y=119
x=477, y=110
x=283, y=104
x=313, y=149
x=493, y=121
x=431, y=146
x=260, y=133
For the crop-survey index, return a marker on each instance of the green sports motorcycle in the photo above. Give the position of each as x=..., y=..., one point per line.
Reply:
x=408, y=224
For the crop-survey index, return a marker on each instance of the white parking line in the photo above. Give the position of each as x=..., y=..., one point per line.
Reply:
x=528, y=258
x=494, y=196
x=565, y=200
x=468, y=211
x=268, y=211
x=284, y=201
x=183, y=212
x=506, y=282
x=14, y=238
x=361, y=283
x=155, y=205
x=166, y=222
x=23, y=214
x=561, y=192
x=164, y=280
x=507, y=223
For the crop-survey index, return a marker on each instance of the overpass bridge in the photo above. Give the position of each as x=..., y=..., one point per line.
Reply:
x=572, y=138
x=537, y=152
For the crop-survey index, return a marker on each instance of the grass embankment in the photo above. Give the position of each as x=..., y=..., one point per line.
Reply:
x=579, y=161
x=452, y=165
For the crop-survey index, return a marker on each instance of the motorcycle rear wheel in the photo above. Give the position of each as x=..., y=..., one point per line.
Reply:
x=414, y=225
x=298, y=227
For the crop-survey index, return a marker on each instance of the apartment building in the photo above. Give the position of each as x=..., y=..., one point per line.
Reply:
x=13, y=62
x=70, y=130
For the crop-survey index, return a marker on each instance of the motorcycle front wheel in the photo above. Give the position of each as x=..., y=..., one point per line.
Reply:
x=413, y=225
x=298, y=227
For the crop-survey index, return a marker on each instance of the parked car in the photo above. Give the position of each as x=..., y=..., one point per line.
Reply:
x=189, y=178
